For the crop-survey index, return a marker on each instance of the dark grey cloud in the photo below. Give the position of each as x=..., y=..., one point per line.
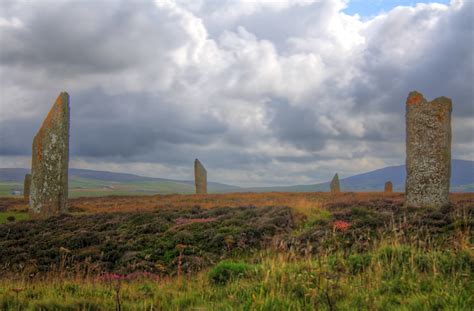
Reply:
x=70, y=38
x=145, y=110
x=297, y=125
x=127, y=126
x=16, y=137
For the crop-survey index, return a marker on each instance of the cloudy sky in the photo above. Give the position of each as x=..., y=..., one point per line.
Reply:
x=271, y=92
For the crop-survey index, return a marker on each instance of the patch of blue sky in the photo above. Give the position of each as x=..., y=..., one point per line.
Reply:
x=370, y=8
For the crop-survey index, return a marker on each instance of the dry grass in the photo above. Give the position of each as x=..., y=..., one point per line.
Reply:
x=304, y=203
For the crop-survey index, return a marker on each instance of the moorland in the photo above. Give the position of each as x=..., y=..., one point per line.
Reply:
x=240, y=251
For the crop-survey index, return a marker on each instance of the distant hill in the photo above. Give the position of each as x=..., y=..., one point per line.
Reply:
x=93, y=183
x=96, y=183
x=462, y=180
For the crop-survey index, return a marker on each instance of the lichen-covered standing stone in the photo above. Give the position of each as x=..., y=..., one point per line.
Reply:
x=200, y=177
x=335, y=187
x=388, y=187
x=50, y=160
x=26, y=186
x=428, y=145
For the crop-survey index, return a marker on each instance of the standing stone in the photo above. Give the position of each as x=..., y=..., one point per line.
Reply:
x=200, y=177
x=428, y=143
x=50, y=160
x=26, y=186
x=335, y=187
x=388, y=187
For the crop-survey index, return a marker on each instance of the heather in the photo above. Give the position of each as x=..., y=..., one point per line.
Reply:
x=285, y=252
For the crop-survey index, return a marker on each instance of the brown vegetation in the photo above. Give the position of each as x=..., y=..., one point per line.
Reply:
x=163, y=241
x=149, y=233
x=298, y=201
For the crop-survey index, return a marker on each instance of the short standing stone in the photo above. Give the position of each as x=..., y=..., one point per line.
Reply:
x=200, y=177
x=26, y=186
x=428, y=147
x=50, y=160
x=388, y=187
x=335, y=187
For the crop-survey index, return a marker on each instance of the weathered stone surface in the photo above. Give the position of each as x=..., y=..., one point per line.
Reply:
x=200, y=177
x=335, y=187
x=26, y=186
x=428, y=147
x=50, y=160
x=388, y=187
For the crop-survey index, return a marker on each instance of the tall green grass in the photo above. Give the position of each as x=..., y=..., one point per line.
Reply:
x=392, y=276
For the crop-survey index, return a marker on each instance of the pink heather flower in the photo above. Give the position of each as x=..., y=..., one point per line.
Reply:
x=112, y=277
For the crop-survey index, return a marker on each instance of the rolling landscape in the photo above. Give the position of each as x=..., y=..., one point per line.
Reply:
x=84, y=183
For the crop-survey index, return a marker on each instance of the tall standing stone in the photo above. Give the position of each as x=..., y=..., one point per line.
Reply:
x=50, y=160
x=200, y=177
x=388, y=187
x=335, y=187
x=428, y=145
x=26, y=186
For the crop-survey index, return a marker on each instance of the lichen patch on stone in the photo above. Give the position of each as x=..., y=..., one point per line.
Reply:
x=415, y=98
x=50, y=157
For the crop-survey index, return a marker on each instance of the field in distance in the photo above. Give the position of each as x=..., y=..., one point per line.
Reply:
x=87, y=183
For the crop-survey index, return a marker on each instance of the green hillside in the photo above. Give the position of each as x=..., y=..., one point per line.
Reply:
x=101, y=183
x=90, y=187
x=84, y=183
x=83, y=187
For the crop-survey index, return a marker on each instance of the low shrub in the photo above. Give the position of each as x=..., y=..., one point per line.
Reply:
x=133, y=241
x=226, y=271
x=358, y=262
